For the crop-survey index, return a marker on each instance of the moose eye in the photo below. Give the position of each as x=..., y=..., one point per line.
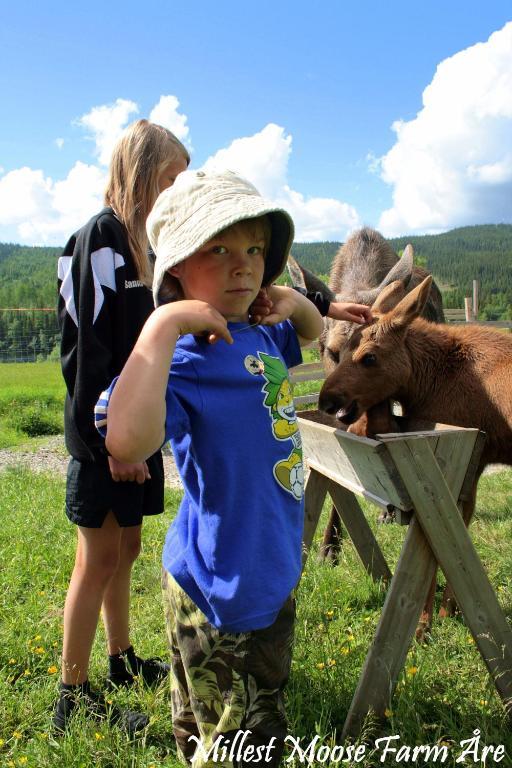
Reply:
x=368, y=360
x=334, y=356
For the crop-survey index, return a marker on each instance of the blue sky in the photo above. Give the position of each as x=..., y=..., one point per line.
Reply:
x=397, y=115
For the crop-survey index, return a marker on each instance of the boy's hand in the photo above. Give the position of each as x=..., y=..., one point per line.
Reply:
x=198, y=318
x=353, y=313
x=123, y=472
x=261, y=306
x=283, y=302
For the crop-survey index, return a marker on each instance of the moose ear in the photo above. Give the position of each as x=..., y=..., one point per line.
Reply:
x=389, y=297
x=412, y=304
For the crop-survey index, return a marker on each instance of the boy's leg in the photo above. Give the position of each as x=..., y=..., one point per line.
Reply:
x=208, y=681
x=269, y=656
x=227, y=685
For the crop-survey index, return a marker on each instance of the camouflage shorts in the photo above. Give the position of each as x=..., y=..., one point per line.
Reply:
x=227, y=689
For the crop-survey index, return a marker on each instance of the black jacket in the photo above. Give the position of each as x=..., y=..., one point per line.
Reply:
x=102, y=308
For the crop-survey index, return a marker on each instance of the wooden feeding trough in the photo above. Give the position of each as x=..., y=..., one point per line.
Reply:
x=424, y=475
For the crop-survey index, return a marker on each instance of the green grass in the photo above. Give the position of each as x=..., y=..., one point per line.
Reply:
x=444, y=693
x=31, y=401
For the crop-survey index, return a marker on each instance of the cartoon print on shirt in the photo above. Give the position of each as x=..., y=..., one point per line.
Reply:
x=289, y=473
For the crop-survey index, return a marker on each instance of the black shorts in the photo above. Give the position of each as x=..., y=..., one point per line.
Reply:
x=91, y=494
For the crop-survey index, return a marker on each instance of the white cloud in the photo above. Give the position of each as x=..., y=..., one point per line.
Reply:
x=106, y=123
x=452, y=164
x=38, y=210
x=263, y=159
x=166, y=113
x=41, y=210
x=47, y=212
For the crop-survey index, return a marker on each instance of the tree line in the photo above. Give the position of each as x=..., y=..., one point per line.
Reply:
x=455, y=258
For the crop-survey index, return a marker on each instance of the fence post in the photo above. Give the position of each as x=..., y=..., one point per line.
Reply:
x=468, y=309
x=475, y=299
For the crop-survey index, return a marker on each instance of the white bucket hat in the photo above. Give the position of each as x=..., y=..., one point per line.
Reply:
x=197, y=207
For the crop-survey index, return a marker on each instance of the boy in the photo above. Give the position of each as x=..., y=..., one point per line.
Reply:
x=233, y=554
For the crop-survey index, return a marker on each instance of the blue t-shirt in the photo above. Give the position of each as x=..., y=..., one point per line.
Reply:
x=235, y=544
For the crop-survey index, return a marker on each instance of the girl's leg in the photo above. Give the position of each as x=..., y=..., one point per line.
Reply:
x=96, y=561
x=116, y=598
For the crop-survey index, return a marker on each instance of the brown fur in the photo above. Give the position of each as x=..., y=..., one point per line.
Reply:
x=362, y=264
x=460, y=375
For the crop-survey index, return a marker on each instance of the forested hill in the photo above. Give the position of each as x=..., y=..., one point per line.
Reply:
x=28, y=274
x=455, y=258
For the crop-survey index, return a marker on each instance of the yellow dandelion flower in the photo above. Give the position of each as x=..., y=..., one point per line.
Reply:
x=11, y=763
x=12, y=661
x=37, y=638
x=367, y=618
x=320, y=665
x=500, y=588
x=329, y=614
x=40, y=650
x=350, y=638
x=331, y=663
x=388, y=712
x=52, y=670
x=22, y=760
x=42, y=735
x=17, y=735
x=55, y=644
x=470, y=641
x=98, y=736
x=483, y=702
x=42, y=593
x=411, y=671
x=345, y=651
x=27, y=673
x=2, y=742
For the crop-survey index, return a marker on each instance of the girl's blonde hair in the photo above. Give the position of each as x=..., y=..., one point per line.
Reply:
x=138, y=159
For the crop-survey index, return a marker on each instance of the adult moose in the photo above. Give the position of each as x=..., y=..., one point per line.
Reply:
x=459, y=375
x=363, y=266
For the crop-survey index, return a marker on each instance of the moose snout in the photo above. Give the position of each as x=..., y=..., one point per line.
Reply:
x=331, y=401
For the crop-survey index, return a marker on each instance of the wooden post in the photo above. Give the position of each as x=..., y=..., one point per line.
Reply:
x=404, y=602
x=450, y=541
x=475, y=299
x=314, y=497
x=468, y=311
x=360, y=532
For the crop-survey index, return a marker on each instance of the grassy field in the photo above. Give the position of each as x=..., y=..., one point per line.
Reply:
x=31, y=401
x=443, y=694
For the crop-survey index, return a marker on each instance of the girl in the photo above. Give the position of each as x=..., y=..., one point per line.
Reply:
x=104, y=301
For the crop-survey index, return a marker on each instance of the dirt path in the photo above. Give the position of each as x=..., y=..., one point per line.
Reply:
x=52, y=457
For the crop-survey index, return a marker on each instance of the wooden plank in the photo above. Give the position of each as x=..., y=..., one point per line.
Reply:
x=358, y=463
x=307, y=376
x=395, y=630
x=443, y=526
x=360, y=532
x=314, y=497
x=316, y=365
x=473, y=466
x=306, y=399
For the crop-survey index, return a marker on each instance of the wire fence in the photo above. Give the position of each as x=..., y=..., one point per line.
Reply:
x=28, y=335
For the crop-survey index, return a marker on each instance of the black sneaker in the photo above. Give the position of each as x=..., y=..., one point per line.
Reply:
x=95, y=706
x=151, y=671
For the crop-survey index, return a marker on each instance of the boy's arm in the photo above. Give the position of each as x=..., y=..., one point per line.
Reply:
x=288, y=304
x=136, y=410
